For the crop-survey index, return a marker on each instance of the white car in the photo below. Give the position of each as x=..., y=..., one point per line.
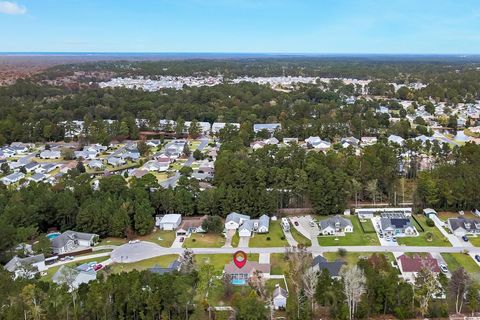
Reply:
x=444, y=268
x=134, y=241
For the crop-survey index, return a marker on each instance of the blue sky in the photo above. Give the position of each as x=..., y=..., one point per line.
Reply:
x=278, y=26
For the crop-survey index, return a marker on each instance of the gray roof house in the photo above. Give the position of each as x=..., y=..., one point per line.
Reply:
x=270, y=127
x=73, y=277
x=26, y=267
x=335, y=225
x=247, y=225
x=37, y=177
x=12, y=178
x=95, y=164
x=70, y=240
x=234, y=220
x=462, y=226
x=279, y=297
x=396, y=224
x=29, y=167
x=174, y=266
x=114, y=161
x=320, y=263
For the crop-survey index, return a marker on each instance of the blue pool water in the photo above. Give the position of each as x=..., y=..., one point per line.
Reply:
x=238, y=282
x=53, y=235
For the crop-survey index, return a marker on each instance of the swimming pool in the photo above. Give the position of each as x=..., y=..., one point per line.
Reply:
x=53, y=235
x=238, y=282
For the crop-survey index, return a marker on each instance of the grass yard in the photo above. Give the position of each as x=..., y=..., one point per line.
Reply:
x=474, y=240
x=110, y=241
x=367, y=225
x=278, y=265
x=219, y=260
x=355, y=238
x=160, y=237
x=161, y=176
x=438, y=240
x=300, y=238
x=235, y=240
x=162, y=261
x=457, y=260
x=274, y=238
x=177, y=165
x=353, y=257
x=193, y=145
x=204, y=240
x=444, y=215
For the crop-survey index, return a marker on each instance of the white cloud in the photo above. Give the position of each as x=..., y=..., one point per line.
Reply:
x=8, y=7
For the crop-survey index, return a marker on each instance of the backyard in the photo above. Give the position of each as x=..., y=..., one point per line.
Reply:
x=355, y=238
x=437, y=239
x=162, y=261
x=204, y=240
x=219, y=260
x=278, y=264
x=274, y=238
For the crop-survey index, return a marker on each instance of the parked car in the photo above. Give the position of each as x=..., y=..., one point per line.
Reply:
x=465, y=238
x=380, y=235
x=312, y=223
x=98, y=267
x=477, y=257
x=134, y=241
x=182, y=239
x=388, y=238
x=296, y=223
x=394, y=239
x=443, y=268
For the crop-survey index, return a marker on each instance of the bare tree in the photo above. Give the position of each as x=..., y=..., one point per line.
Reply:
x=353, y=286
x=187, y=261
x=426, y=286
x=257, y=282
x=459, y=284
x=299, y=260
x=310, y=281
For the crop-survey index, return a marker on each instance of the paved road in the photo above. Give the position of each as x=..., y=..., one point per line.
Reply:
x=144, y=250
x=172, y=181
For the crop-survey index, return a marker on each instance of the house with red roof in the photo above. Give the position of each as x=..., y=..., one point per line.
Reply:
x=240, y=276
x=410, y=266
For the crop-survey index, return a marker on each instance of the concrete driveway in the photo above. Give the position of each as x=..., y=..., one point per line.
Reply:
x=291, y=241
x=264, y=258
x=243, y=243
x=454, y=240
x=176, y=243
x=309, y=231
x=228, y=239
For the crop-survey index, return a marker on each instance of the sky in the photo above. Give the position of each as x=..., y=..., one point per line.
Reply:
x=243, y=26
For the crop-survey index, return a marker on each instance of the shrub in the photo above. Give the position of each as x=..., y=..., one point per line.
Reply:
x=268, y=238
x=282, y=238
x=430, y=222
x=342, y=252
x=194, y=240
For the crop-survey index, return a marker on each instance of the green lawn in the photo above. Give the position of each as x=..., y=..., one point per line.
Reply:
x=457, y=260
x=235, y=240
x=110, y=241
x=278, y=263
x=368, y=226
x=355, y=238
x=353, y=257
x=219, y=260
x=162, y=261
x=474, y=240
x=160, y=237
x=274, y=238
x=300, y=238
x=204, y=240
x=438, y=240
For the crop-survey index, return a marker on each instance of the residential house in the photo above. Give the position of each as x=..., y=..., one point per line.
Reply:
x=12, y=178
x=46, y=168
x=86, y=155
x=396, y=140
x=205, y=127
x=429, y=211
x=71, y=240
x=270, y=127
x=138, y=173
x=234, y=220
x=396, y=224
x=116, y=162
x=410, y=266
x=290, y=140
x=38, y=177
x=240, y=276
x=153, y=165
x=349, y=141
x=317, y=143
x=153, y=143
x=26, y=267
x=191, y=225
x=368, y=141
x=336, y=225
x=463, y=226
x=217, y=126
x=319, y=264
x=279, y=298
x=32, y=166
x=169, y=221
x=73, y=277
x=95, y=164
x=50, y=154
x=172, y=267
x=257, y=145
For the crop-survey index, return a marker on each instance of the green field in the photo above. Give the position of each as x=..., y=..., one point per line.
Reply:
x=438, y=240
x=110, y=241
x=457, y=260
x=204, y=240
x=300, y=238
x=160, y=237
x=275, y=235
x=474, y=240
x=278, y=264
x=367, y=226
x=355, y=238
x=353, y=257
x=162, y=261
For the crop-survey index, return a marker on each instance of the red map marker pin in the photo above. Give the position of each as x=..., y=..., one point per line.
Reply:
x=239, y=258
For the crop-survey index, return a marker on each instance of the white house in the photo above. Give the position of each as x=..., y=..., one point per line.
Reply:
x=169, y=221
x=396, y=139
x=70, y=240
x=317, y=143
x=153, y=165
x=73, y=277
x=234, y=220
x=12, y=178
x=335, y=225
x=279, y=298
x=50, y=154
